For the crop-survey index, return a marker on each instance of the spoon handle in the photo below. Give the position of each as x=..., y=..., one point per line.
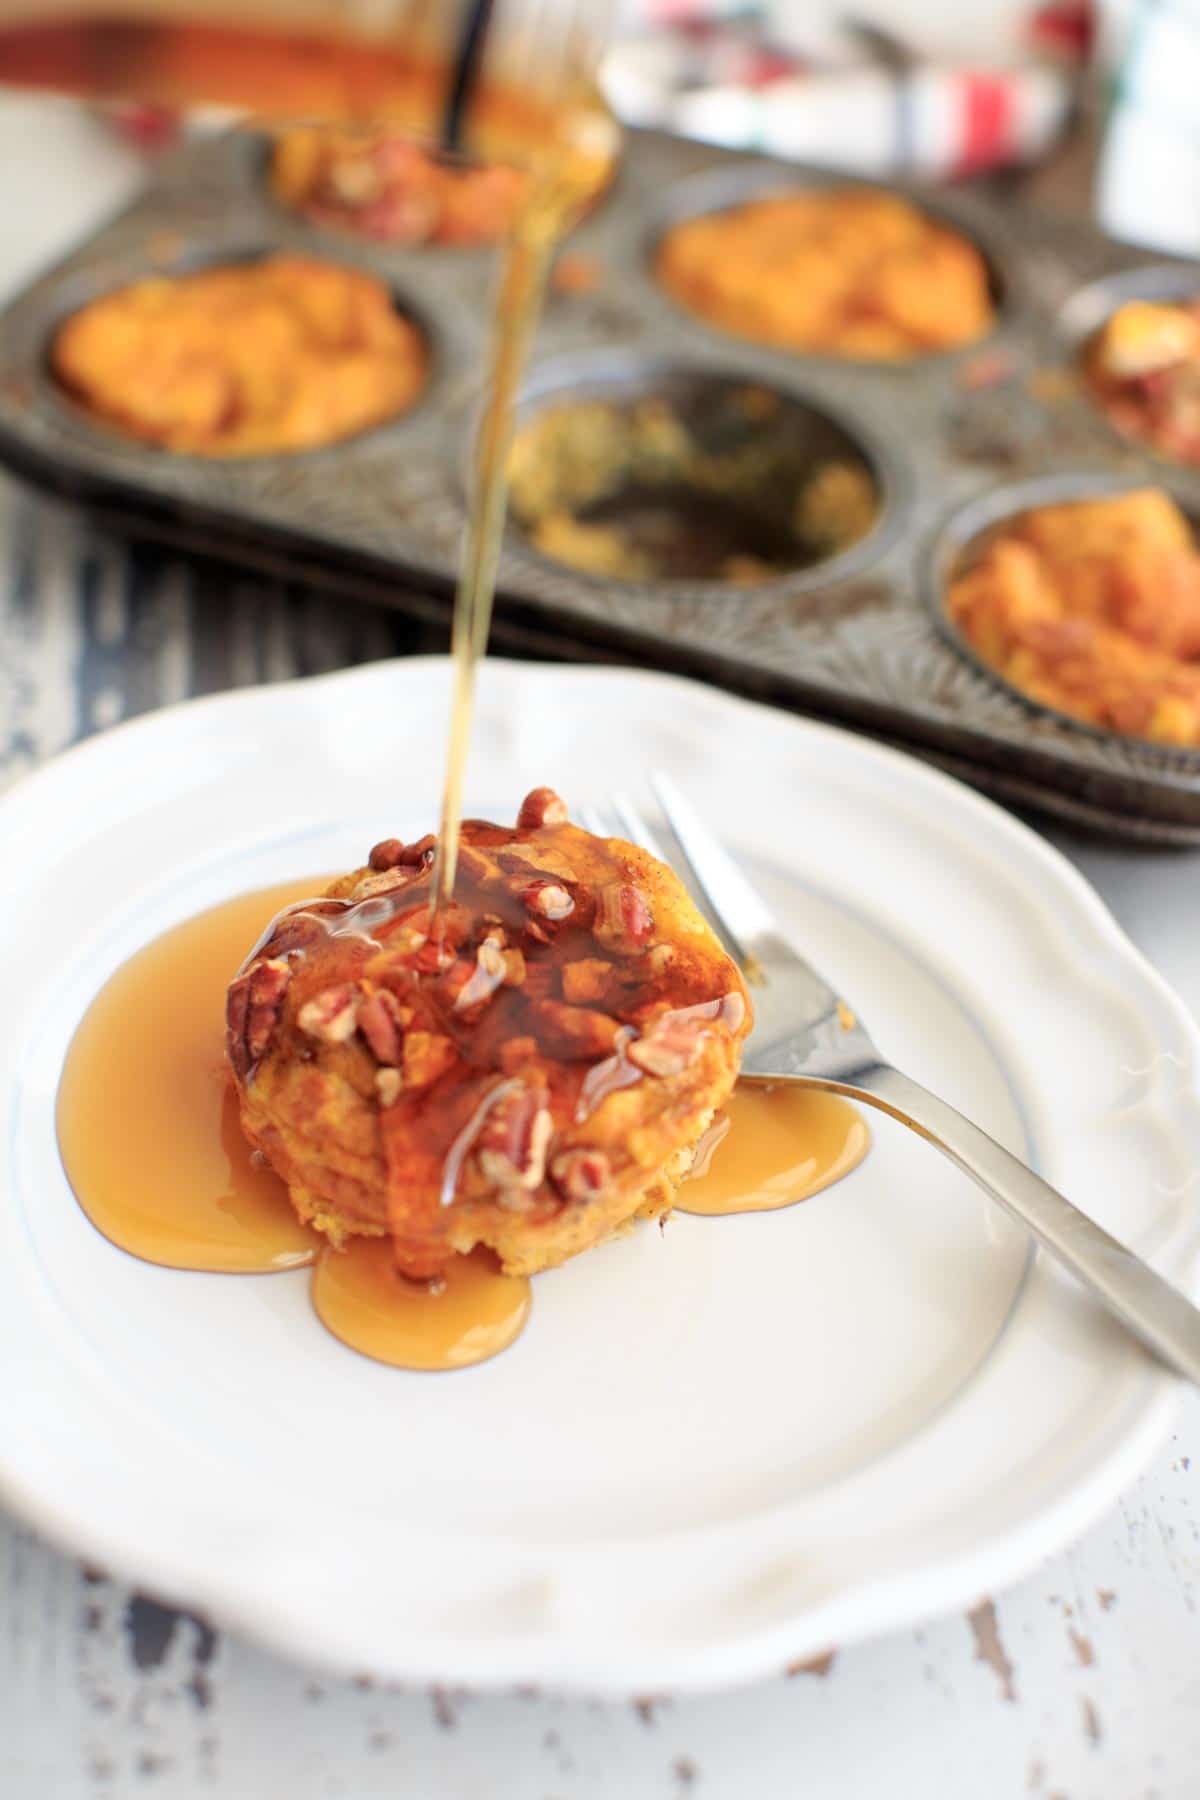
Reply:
x=1157, y=1313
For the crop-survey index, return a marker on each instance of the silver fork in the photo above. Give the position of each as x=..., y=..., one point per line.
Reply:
x=804, y=1032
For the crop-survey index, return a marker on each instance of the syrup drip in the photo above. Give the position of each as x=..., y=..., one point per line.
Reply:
x=772, y=1147
x=152, y=1146
x=475, y=1312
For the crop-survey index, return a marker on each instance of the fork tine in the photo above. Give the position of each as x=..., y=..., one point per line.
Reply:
x=740, y=913
x=593, y=820
x=635, y=827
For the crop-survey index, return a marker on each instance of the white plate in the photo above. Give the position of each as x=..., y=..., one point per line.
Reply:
x=714, y=1450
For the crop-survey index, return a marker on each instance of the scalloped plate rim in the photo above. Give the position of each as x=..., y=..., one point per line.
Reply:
x=934, y=1583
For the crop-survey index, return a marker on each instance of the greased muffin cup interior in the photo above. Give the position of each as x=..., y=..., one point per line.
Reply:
x=652, y=471
x=727, y=192
x=968, y=530
x=75, y=404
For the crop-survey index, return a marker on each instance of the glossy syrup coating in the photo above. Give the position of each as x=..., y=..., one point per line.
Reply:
x=528, y=1071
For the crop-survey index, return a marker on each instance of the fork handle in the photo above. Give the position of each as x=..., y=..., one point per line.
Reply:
x=1157, y=1313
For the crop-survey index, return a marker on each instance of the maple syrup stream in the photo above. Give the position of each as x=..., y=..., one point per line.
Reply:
x=565, y=182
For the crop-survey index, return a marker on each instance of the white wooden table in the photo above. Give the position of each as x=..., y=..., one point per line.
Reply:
x=1083, y=1682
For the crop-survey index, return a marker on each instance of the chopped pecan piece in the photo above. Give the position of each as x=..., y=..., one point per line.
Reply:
x=539, y=981
x=517, y=1053
x=388, y=1083
x=386, y=854
x=432, y=956
x=455, y=979
x=252, y=1013
x=392, y=853
x=586, y=980
x=542, y=807
x=513, y=1140
x=730, y=1011
x=475, y=866
x=669, y=1044
x=547, y=899
x=299, y=931
x=576, y=1033
x=426, y=1056
x=581, y=1175
x=406, y=940
x=331, y=1015
x=543, y=858
x=385, y=882
x=382, y=1019
x=623, y=917
x=514, y=968
x=413, y=855
x=483, y=980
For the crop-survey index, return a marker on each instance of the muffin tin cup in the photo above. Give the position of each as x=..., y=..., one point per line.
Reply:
x=724, y=189
x=982, y=514
x=255, y=153
x=74, y=414
x=857, y=637
x=835, y=436
x=1079, y=320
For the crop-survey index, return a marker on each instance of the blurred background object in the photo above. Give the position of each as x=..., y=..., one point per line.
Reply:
x=888, y=86
x=1148, y=179
x=917, y=87
x=923, y=87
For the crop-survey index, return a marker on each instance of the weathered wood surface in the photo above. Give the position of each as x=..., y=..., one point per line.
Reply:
x=1082, y=1682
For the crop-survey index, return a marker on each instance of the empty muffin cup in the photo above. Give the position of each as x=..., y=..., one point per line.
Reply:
x=671, y=474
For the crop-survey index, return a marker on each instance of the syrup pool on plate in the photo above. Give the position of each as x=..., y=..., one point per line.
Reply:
x=471, y=1314
x=152, y=1145
x=148, y=1120
x=773, y=1145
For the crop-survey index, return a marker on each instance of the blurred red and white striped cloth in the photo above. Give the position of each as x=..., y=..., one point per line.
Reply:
x=787, y=77
x=924, y=87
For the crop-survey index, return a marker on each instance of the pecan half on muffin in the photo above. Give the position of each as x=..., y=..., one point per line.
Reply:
x=530, y=1069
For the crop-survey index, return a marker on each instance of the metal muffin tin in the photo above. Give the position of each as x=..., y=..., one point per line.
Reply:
x=956, y=441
